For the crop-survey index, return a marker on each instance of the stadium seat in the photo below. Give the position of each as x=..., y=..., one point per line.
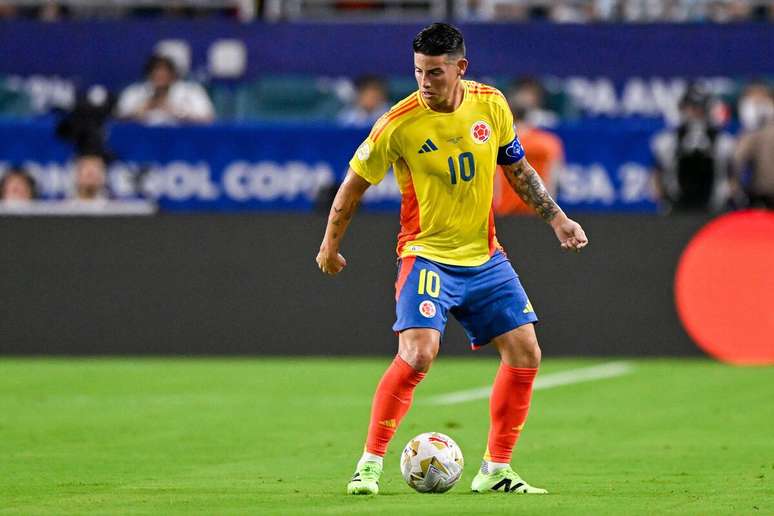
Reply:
x=400, y=87
x=13, y=102
x=292, y=98
x=223, y=96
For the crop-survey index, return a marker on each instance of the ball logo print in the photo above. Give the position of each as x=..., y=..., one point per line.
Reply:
x=431, y=463
x=480, y=131
x=427, y=309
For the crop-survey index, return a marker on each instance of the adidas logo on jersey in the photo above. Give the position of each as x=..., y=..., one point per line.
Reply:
x=428, y=146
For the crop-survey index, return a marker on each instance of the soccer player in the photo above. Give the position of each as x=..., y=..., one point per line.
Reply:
x=444, y=142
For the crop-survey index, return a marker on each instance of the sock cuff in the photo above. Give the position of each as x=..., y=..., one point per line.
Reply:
x=524, y=374
x=374, y=456
x=406, y=369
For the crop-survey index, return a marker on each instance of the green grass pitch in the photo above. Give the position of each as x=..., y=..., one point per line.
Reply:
x=281, y=436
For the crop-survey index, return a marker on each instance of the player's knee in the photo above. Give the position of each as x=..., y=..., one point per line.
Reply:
x=532, y=353
x=419, y=358
x=523, y=351
x=418, y=352
x=528, y=351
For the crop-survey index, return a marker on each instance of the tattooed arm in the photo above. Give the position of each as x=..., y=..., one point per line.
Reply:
x=344, y=206
x=527, y=184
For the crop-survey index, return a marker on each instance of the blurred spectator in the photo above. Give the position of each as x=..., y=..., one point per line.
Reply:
x=527, y=100
x=16, y=185
x=90, y=178
x=84, y=128
x=55, y=10
x=633, y=11
x=693, y=160
x=52, y=11
x=755, y=107
x=165, y=99
x=544, y=150
x=559, y=11
x=84, y=125
x=8, y=11
x=755, y=149
x=569, y=12
x=369, y=104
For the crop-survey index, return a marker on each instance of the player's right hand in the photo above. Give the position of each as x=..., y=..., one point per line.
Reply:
x=331, y=263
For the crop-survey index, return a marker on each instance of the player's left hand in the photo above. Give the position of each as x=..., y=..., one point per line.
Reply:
x=570, y=234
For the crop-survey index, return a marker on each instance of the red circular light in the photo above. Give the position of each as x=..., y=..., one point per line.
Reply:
x=724, y=288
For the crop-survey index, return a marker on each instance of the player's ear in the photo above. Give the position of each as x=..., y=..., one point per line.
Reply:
x=462, y=66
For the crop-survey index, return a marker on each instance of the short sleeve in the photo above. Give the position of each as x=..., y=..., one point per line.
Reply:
x=375, y=155
x=504, y=117
x=131, y=100
x=509, y=149
x=198, y=102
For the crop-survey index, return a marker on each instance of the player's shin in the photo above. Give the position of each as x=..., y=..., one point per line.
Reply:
x=391, y=402
x=508, y=407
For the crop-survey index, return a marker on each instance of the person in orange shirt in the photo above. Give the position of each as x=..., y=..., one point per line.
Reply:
x=544, y=150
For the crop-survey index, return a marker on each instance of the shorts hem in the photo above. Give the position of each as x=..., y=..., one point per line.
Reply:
x=397, y=329
x=478, y=343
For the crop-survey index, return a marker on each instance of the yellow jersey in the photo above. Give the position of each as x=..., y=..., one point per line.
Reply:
x=445, y=167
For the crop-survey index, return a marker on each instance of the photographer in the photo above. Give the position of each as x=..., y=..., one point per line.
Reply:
x=693, y=160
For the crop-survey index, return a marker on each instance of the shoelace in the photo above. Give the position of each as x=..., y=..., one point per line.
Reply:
x=507, y=472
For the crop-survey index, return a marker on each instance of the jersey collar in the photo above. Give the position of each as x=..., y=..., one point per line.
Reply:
x=465, y=96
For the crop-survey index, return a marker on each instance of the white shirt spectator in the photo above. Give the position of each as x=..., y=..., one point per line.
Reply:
x=185, y=102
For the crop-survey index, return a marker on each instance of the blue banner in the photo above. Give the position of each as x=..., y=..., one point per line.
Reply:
x=292, y=168
x=113, y=52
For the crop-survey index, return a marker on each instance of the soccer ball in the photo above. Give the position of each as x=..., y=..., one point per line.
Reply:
x=431, y=463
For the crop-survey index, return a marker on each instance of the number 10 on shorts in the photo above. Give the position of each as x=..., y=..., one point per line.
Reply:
x=429, y=282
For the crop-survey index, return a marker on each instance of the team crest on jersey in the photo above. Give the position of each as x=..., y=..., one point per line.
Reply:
x=480, y=131
x=363, y=152
x=427, y=309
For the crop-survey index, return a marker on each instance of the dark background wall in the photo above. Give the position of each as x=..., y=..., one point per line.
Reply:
x=249, y=284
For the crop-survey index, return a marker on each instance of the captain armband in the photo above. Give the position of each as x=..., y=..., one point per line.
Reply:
x=511, y=153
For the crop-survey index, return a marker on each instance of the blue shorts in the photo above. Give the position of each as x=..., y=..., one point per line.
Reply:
x=487, y=300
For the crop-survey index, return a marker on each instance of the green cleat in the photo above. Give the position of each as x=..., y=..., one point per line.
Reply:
x=366, y=479
x=503, y=481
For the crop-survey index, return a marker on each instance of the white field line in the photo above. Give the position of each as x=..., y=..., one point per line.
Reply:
x=547, y=381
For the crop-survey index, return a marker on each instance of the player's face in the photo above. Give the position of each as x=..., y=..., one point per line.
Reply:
x=438, y=77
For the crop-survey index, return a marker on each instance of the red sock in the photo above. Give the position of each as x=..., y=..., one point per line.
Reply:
x=391, y=402
x=508, y=407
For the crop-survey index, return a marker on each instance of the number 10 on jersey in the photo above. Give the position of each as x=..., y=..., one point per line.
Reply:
x=467, y=167
x=430, y=282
